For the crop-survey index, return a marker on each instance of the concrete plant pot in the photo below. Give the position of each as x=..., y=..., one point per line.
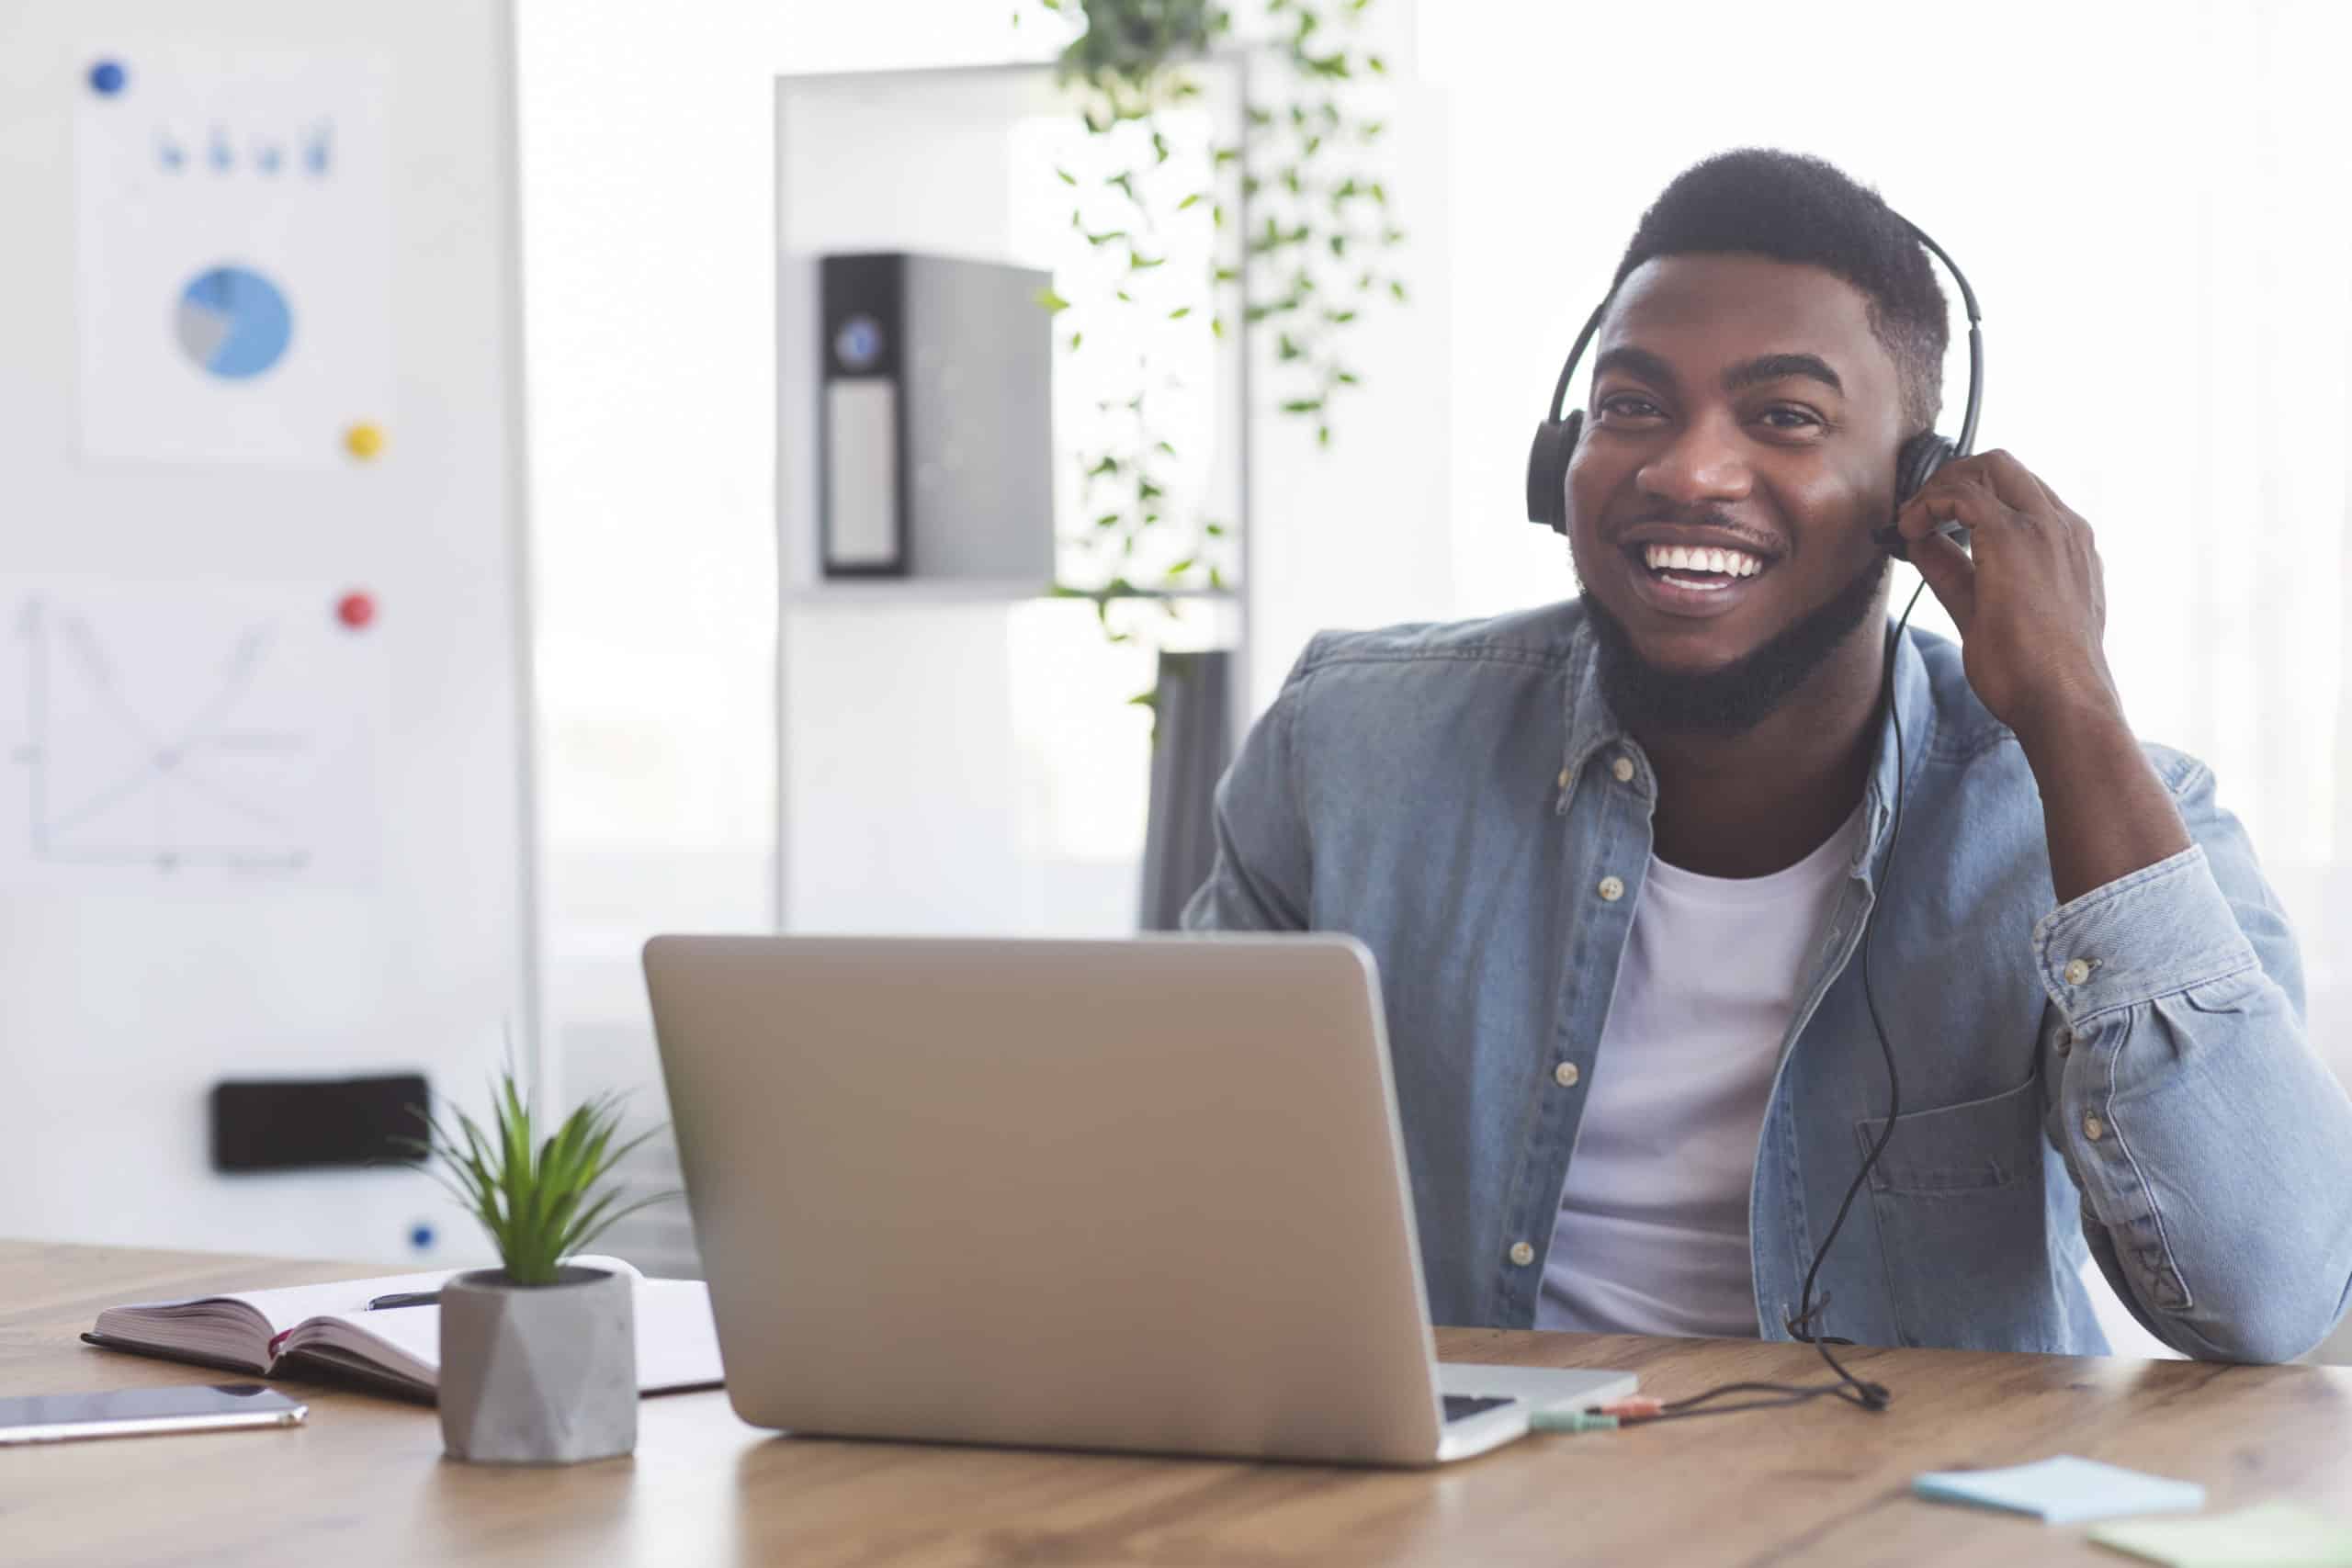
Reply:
x=538, y=1374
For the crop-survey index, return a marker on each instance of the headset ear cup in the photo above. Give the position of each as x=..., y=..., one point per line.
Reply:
x=1914, y=467
x=1918, y=462
x=1547, y=470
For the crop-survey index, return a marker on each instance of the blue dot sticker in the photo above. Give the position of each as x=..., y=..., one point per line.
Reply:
x=107, y=78
x=421, y=1236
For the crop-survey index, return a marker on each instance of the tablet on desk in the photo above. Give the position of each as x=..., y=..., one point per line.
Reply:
x=138, y=1412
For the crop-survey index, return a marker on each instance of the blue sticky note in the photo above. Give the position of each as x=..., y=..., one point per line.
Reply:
x=2064, y=1491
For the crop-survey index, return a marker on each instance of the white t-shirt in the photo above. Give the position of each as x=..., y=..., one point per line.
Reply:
x=1652, y=1232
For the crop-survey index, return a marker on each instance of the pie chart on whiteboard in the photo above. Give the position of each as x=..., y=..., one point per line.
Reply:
x=232, y=323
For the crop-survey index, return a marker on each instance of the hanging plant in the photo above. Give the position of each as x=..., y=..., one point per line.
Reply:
x=1155, y=185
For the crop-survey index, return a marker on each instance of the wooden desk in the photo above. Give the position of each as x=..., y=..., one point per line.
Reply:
x=364, y=1482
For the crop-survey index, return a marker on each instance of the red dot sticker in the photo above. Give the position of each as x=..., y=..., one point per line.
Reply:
x=355, y=611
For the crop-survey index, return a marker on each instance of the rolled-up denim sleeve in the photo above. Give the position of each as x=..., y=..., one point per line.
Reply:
x=1260, y=882
x=2211, y=1146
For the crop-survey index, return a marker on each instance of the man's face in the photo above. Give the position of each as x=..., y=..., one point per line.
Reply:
x=1742, y=410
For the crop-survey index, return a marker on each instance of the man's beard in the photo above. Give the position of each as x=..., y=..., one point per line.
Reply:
x=1738, y=696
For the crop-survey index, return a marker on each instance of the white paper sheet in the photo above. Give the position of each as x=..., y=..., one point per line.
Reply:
x=201, y=734
x=234, y=268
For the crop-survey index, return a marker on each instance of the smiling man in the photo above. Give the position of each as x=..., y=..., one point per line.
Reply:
x=1617, y=856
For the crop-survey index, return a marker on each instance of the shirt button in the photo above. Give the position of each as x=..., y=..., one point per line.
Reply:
x=1522, y=1254
x=1623, y=769
x=2077, y=972
x=1611, y=890
x=2094, y=1129
x=1563, y=778
x=1565, y=1074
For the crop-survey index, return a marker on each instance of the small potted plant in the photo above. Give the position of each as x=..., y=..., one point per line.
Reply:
x=539, y=1356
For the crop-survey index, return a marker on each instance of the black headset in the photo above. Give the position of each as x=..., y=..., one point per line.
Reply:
x=1555, y=438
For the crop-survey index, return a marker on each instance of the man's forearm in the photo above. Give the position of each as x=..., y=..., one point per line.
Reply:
x=2106, y=812
x=2213, y=1148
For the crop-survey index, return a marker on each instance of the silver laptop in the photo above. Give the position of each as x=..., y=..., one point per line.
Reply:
x=1144, y=1195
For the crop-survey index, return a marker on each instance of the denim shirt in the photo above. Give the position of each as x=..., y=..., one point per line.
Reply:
x=2125, y=1072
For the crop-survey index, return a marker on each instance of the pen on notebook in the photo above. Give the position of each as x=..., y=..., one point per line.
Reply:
x=404, y=1298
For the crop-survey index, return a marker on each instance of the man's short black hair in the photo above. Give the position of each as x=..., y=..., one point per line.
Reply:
x=1792, y=207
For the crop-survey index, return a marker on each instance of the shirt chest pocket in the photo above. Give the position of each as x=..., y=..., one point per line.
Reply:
x=1958, y=1199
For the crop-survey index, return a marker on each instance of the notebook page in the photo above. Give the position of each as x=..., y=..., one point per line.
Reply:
x=677, y=1342
x=677, y=1338
x=243, y=1326
x=227, y=1320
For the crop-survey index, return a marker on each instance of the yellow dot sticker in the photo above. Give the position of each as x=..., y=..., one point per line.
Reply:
x=363, y=440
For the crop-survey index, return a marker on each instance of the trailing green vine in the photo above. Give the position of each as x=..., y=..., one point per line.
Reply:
x=1159, y=183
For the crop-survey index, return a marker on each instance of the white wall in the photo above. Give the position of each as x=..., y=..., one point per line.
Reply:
x=1358, y=534
x=648, y=179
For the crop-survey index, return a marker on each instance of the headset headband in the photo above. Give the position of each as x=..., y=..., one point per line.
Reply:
x=1962, y=447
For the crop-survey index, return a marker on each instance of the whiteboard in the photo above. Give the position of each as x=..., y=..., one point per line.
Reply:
x=264, y=710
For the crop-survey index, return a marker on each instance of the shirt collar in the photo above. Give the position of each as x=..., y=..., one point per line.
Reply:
x=1593, y=725
x=1914, y=707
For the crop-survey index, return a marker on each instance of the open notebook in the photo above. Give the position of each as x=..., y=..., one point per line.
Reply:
x=327, y=1330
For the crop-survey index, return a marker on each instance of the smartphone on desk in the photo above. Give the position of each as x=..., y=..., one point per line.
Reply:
x=137, y=1412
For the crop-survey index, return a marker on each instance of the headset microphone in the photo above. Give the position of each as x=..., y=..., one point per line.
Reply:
x=1555, y=438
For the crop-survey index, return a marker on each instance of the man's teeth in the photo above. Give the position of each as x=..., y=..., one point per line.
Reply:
x=1676, y=557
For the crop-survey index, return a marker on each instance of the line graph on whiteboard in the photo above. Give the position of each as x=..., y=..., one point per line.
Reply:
x=157, y=731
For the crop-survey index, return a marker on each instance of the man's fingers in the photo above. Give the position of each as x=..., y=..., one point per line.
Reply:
x=1951, y=574
x=2018, y=487
x=2024, y=498
x=1973, y=506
